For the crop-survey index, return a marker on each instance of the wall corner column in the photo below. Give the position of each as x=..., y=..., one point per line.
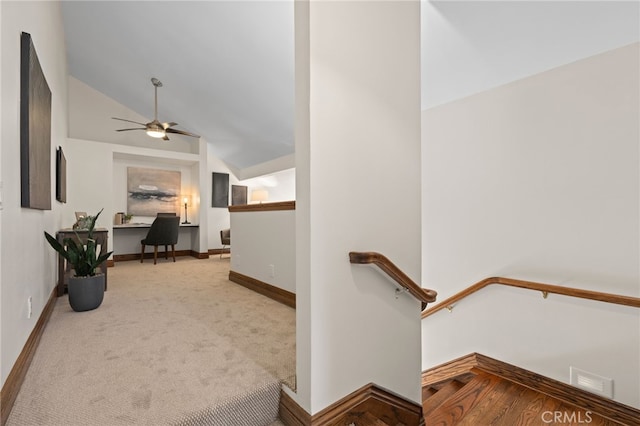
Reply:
x=358, y=189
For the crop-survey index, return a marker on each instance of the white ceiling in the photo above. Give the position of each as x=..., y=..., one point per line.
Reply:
x=227, y=66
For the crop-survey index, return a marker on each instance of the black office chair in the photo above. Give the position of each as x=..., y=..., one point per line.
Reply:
x=225, y=239
x=163, y=231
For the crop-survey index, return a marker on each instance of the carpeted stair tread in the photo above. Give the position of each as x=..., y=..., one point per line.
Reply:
x=258, y=407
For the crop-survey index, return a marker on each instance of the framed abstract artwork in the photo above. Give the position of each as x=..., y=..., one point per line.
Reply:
x=35, y=130
x=152, y=191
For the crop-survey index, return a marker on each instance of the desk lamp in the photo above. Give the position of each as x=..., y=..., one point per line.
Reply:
x=185, y=200
x=259, y=195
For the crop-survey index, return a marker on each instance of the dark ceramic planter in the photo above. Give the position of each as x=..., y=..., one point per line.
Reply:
x=86, y=293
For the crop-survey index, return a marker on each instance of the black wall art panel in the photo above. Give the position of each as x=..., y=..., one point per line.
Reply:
x=220, y=190
x=238, y=195
x=35, y=130
x=61, y=176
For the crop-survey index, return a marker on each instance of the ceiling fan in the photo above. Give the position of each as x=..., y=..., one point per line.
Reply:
x=154, y=128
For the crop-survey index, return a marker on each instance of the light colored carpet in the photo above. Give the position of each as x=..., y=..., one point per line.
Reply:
x=174, y=343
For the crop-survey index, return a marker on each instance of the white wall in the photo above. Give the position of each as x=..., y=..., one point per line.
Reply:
x=357, y=153
x=471, y=46
x=89, y=183
x=264, y=239
x=281, y=186
x=22, y=229
x=538, y=180
x=277, y=164
x=302, y=129
x=2, y=379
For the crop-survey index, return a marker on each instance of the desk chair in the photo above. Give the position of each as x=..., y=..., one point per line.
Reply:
x=164, y=231
x=225, y=239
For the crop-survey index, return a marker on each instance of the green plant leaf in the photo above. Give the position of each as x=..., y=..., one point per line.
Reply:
x=81, y=256
x=57, y=246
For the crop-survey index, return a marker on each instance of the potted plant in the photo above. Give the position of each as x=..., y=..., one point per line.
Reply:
x=86, y=288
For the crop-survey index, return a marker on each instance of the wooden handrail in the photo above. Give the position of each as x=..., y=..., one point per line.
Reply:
x=544, y=288
x=263, y=207
x=422, y=294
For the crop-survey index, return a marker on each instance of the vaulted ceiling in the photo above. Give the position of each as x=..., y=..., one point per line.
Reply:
x=227, y=67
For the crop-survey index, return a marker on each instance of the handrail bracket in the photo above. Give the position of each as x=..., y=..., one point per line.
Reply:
x=400, y=291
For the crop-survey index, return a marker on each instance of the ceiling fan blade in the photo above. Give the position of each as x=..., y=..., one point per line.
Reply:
x=165, y=138
x=181, y=132
x=122, y=119
x=167, y=125
x=135, y=128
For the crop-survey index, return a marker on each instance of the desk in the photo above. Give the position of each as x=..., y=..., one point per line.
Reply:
x=126, y=240
x=101, y=235
x=148, y=225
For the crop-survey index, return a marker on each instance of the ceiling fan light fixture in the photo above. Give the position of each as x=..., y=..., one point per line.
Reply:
x=156, y=133
x=155, y=130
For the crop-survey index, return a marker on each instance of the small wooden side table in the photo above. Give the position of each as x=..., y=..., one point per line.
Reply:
x=64, y=269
